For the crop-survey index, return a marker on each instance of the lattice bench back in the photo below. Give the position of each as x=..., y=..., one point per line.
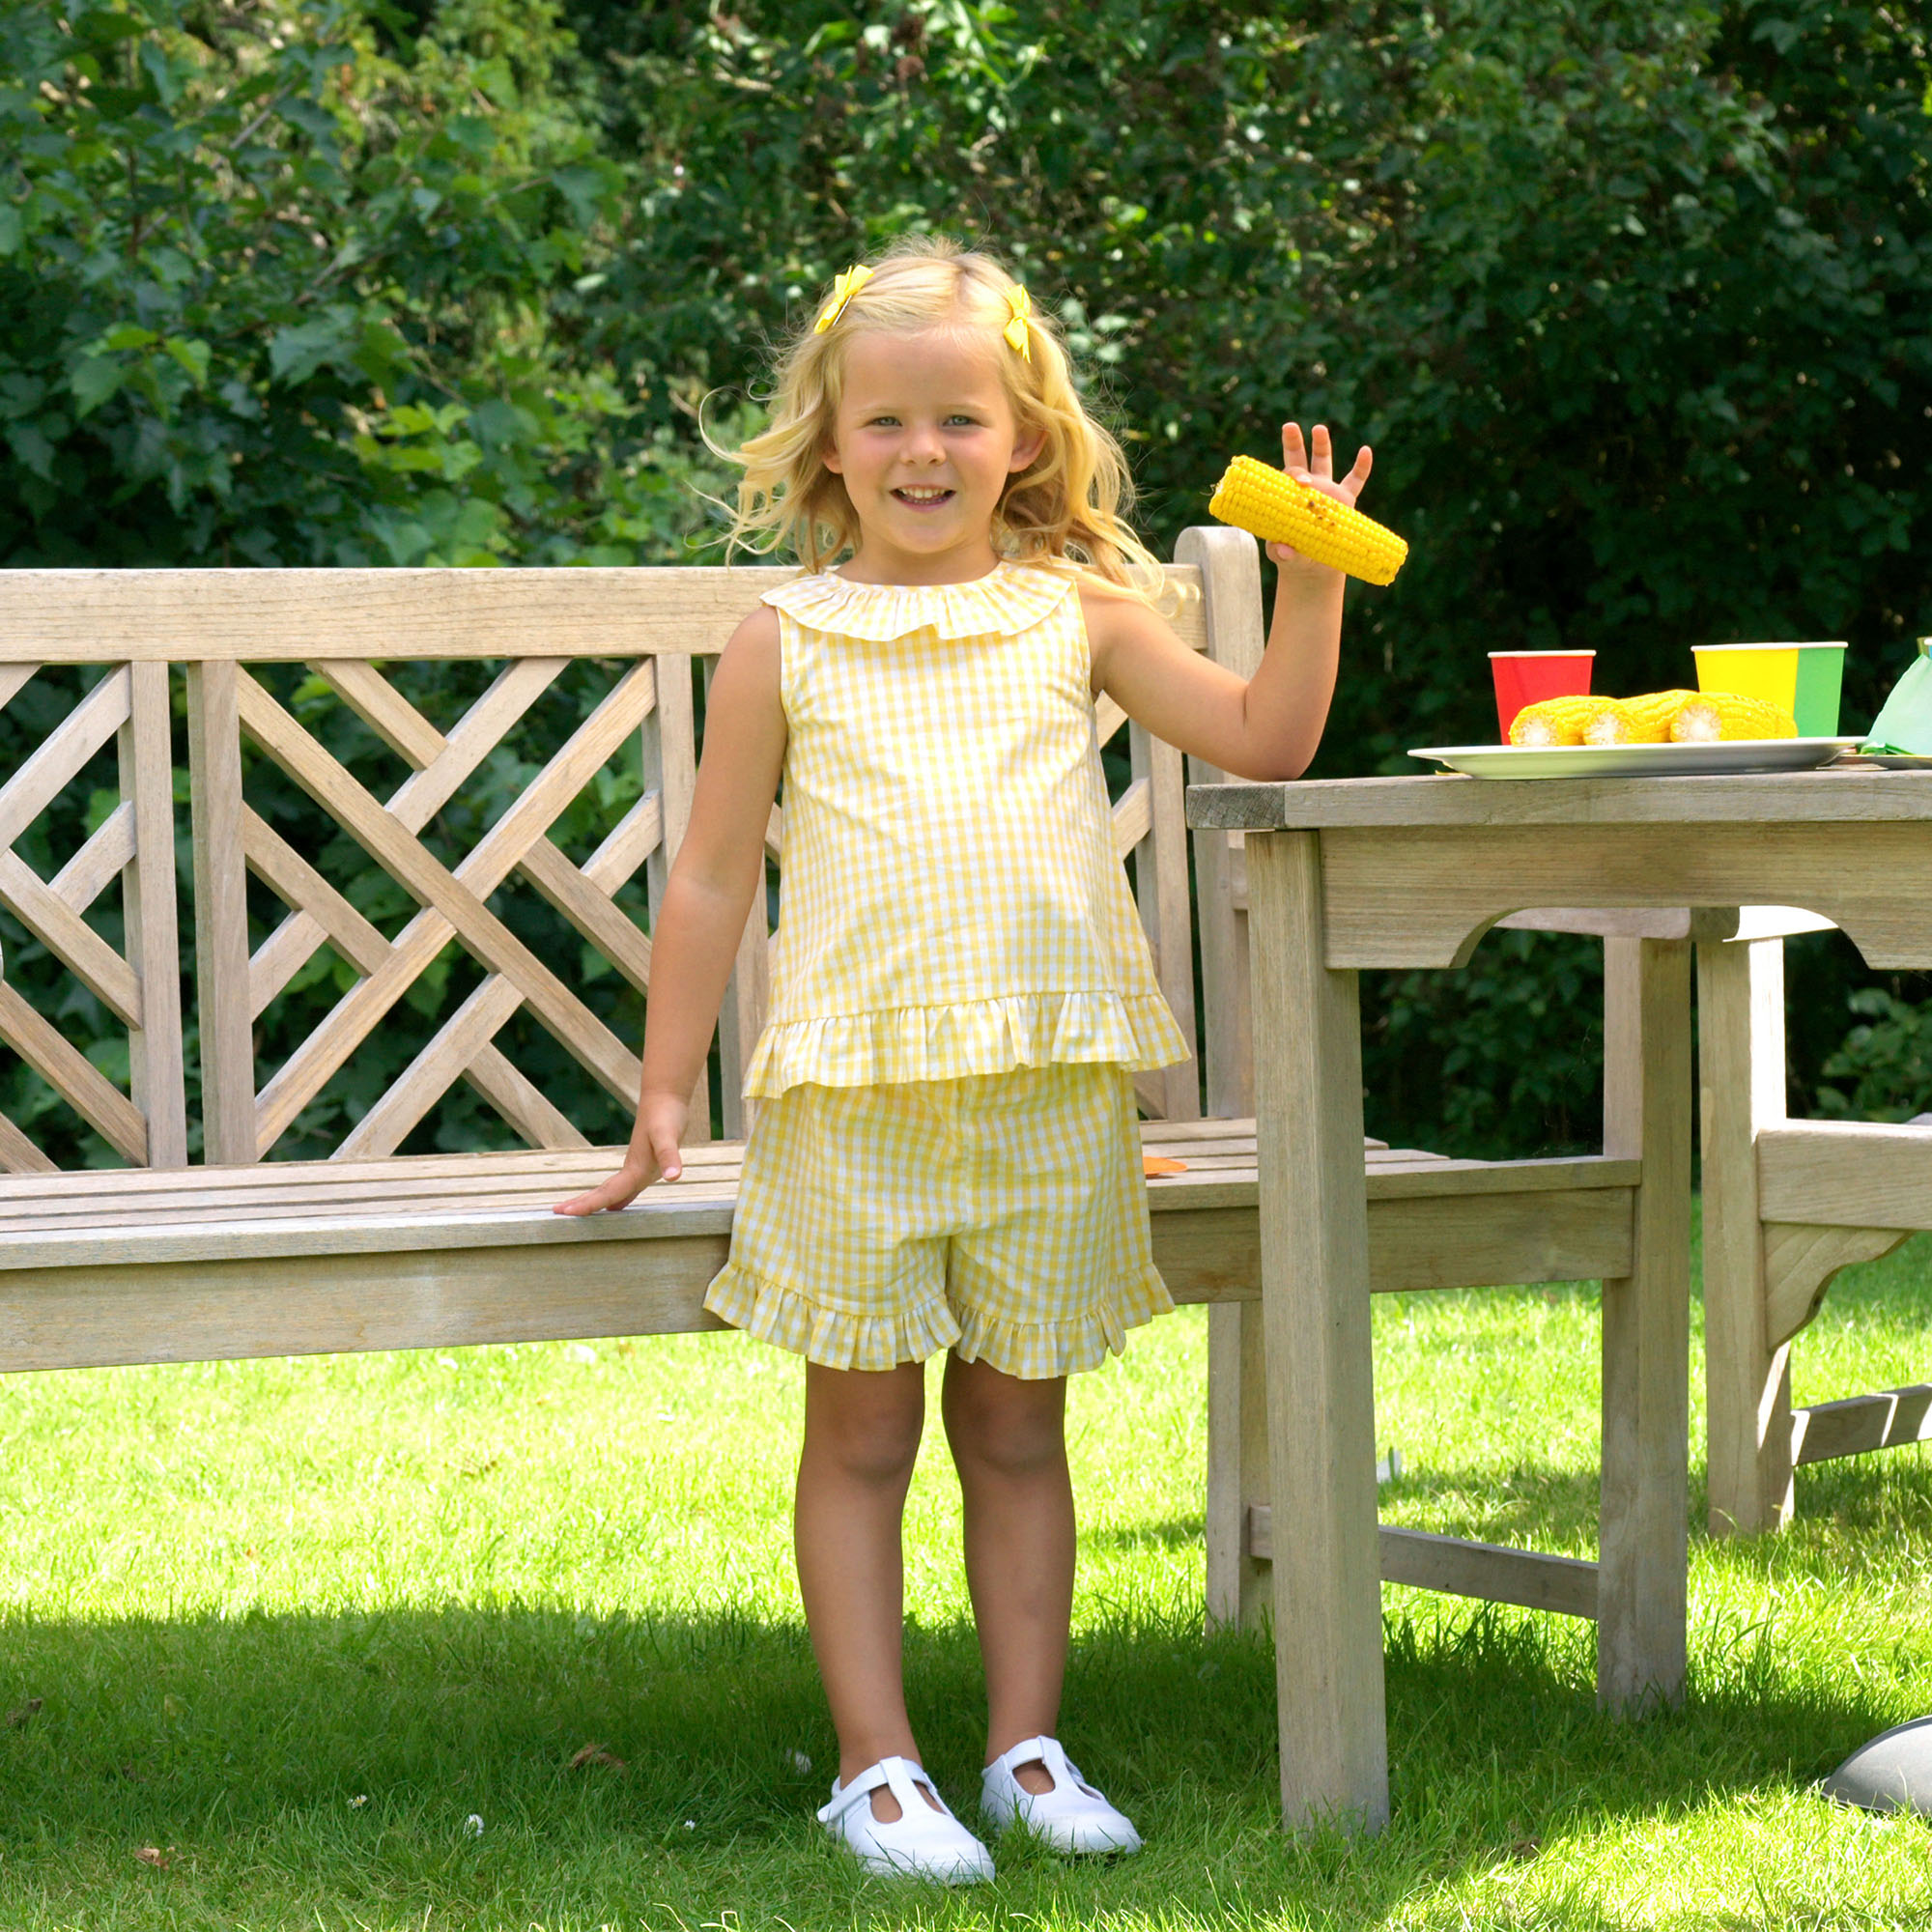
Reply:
x=303, y=680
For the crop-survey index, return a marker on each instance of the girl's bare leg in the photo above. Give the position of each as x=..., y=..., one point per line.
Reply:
x=862, y=1431
x=1008, y=1441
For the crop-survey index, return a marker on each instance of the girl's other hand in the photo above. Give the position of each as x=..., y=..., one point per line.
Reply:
x=652, y=1155
x=1316, y=467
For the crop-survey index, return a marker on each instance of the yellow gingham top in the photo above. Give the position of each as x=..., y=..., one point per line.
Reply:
x=950, y=902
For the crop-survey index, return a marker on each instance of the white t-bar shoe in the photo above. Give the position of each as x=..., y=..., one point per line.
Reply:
x=1071, y=1817
x=919, y=1843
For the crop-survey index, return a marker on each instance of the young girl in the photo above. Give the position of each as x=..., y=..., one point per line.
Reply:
x=945, y=1152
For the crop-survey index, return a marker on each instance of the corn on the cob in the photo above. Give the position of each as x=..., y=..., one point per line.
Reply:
x=1555, y=720
x=1272, y=505
x=1637, y=721
x=1713, y=714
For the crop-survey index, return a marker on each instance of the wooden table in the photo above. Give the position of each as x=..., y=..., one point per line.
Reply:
x=1411, y=872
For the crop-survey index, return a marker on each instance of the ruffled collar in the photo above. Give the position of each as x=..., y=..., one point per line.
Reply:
x=1010, y=598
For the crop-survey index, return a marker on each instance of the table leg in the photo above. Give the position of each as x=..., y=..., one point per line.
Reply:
x=1321, y=1388
x=1746, y=1382
x=1643, y=1532
x=1239, y=1588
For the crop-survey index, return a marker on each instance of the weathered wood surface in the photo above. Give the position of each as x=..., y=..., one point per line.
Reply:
x=1642, y=1532
x=1841, y=795
x=180, y=616
x=1425, y=895
x=139, y=985
x=1888, y=1419
x=1747, y=1371
x=1463, y=1568
x=1314, y=1313
x=1800, y=1260
x=1853, y=1174
x=75, y=1249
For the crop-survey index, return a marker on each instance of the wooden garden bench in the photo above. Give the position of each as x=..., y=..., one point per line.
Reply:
x=244, y=1254
x=1787, y=1203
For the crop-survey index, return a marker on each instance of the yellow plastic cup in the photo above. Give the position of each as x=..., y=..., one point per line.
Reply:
x=1803, y=679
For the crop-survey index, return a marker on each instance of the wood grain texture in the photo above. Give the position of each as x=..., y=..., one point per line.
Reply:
x=453, y=901
x=1228, y=563
x=1321, y=1392
x=1746, y=1377
x=18, y=1154
x=74, y=1076
x=96, y=866
x=1642, y=1532
x=1167, y=913
x=261, y=616
x=382, y=1298
x=1425, y=896
x=1888, y=1419
x=1240, y=1588
x=1841, y=796
x=148, y=890
x=53, y=764
x=1800, y=1260
x=221, y=914
x=1490, y=1571
x=1851, y=1173
x=70, y=939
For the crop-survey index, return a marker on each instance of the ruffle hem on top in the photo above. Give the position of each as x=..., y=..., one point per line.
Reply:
x=1010, y=598
x=1030, y=1351
x=955, y=1042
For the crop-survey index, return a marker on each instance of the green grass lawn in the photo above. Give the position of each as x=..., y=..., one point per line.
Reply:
x=294, y=1625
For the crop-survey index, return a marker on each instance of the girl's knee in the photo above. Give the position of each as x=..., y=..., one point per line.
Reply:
x=867, y=1425
x=1000, y=1423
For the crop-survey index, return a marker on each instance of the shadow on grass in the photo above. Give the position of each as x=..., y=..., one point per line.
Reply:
x=321, y=1769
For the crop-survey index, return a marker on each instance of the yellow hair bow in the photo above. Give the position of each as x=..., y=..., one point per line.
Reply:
x=1015, y=331
x=843, y=290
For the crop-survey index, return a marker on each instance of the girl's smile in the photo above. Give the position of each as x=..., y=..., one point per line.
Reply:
x=925, y=440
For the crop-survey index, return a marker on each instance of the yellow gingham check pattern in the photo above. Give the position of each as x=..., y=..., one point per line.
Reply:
x=1004, y=1216
x=951, y=901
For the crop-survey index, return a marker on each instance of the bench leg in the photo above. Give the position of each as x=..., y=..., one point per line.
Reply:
x=1643, y=1535
x=1321, y=1387
x=1238, y=1472
x=1746, y=1382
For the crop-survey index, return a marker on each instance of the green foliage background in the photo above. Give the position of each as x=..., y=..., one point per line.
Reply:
x=1634, y=300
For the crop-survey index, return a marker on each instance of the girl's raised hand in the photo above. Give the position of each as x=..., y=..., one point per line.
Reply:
x=1316, y=466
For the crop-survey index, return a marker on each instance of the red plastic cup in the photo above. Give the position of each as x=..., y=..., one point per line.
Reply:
x=1527, y=677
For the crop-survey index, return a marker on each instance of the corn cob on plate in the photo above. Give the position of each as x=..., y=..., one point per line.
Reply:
x=1273, y=505
x=1557, y=721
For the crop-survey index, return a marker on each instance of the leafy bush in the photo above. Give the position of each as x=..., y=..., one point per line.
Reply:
x=282, y=288
x=1883, y=1069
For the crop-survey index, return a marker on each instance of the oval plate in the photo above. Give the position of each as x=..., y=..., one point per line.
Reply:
x=1633, y=761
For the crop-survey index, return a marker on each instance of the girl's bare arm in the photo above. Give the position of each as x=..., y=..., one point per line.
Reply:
x=1267, y=727
x=718, y=872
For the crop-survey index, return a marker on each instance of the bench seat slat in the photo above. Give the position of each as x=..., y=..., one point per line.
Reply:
x=474, y=1201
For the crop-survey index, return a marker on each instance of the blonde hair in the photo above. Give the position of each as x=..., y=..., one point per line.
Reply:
x=1066, y=507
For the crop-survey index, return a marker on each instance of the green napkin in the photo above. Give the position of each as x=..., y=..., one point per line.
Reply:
x=1904, y=728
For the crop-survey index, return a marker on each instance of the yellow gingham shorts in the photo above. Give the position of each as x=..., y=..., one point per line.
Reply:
x=1003, y=1216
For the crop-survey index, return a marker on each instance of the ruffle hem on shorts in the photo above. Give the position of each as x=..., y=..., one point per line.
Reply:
x=1030, y=1351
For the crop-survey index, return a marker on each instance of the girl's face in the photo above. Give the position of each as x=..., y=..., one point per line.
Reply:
x=925, y=440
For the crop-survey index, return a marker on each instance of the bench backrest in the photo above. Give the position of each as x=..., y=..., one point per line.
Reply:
x=294, y=663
